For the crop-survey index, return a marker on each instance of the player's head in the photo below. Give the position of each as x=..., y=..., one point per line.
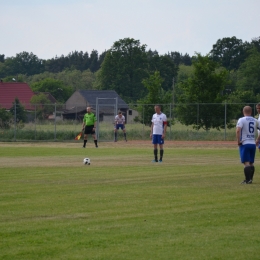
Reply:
x=157, y=109
x=88, y=109
x=120, y=114
x=258, y=108
x=247, y=111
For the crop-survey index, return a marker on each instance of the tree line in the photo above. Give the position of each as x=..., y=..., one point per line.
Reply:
x=230, y=72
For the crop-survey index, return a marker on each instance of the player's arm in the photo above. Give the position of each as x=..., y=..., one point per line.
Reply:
x=258, y=137
x=164, y=128
x=238, y=135
x=95, y=121
x=83, y=124
x=151, y=133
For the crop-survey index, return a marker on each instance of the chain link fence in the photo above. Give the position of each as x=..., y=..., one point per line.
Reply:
x=53, y=122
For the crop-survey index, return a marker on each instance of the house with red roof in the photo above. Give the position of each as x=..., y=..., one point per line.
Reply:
x=11, y=90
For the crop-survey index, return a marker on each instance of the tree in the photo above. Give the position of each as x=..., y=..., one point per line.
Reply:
x=179, y=59
x=56, y=87
x=249, y=73
x=255, y=43
x=156, y=95
x=43, y=106
x=18, y=111
x=22, y=63
x=205, y=86
x=230, y=52
x=5, y=118
x=124, y=68
x=165, y=65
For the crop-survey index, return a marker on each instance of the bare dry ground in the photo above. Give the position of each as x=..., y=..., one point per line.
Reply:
x=137, y=144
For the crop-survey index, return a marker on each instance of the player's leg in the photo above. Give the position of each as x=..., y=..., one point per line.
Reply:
x=161, y=152
x=245, y=159
x=115, y=131
x=85, y=140
x=247, y=173
x=252, y=160
x=124, y=131
x=95, y=138
x=252, y=171
x=155, y=147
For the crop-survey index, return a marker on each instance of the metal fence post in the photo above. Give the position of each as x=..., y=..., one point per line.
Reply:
x=198, y=112
x=143, y=123
x=225, y=133
x=35, y=122
x=15, y=121
x=55, y=110
x=171, y=120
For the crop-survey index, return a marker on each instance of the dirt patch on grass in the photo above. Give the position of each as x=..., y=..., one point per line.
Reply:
x=135, y=143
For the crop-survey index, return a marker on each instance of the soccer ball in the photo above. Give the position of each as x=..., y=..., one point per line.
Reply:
x=86, y=161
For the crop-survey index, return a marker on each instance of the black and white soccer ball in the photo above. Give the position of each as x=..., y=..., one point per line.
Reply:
x=86, y=161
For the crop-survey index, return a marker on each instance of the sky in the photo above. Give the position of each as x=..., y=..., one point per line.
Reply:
x=50, y=28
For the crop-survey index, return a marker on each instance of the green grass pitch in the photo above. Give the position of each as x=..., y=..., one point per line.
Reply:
x=123, y=206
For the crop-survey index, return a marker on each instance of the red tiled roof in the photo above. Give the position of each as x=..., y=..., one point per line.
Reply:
x=11, y=90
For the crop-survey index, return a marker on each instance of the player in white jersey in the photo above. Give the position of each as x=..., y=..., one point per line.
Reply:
x=246, y=130
x=158, y=132
x=258, y=111
x=119, y=123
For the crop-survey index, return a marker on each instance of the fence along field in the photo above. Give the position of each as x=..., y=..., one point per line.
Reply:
x=123, y=206
x=55, y=129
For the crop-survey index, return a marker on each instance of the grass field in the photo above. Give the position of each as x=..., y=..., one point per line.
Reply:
x=123, y=206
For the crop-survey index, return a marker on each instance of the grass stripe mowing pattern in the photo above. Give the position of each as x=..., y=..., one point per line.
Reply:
x=123, y=206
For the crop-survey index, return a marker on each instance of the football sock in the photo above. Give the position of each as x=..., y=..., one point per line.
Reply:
x=125, y=135
x=161, y=154
x=247, y=172
x=85, y=141
x=95, y=141
x=155, y=151
x=252, y=171
x=115, y=136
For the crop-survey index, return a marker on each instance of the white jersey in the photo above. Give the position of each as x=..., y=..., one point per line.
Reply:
x=119, y=120
x=157, y=121
x=258, y=124
x=248, y=125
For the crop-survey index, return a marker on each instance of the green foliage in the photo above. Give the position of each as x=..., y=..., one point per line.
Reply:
x=5, y=118
x=205, y=86
x=71, y=78
x=76, y=60
x=43, y=106
x=156, y=95
x=230, y=52
x=18, y=111
x=124, y=68
x=184, y=73
x=56, y=87
x=165, y=65
x=249, y=73
x=22, y=63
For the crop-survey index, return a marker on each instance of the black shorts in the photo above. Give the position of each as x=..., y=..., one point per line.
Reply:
x=89, y=130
